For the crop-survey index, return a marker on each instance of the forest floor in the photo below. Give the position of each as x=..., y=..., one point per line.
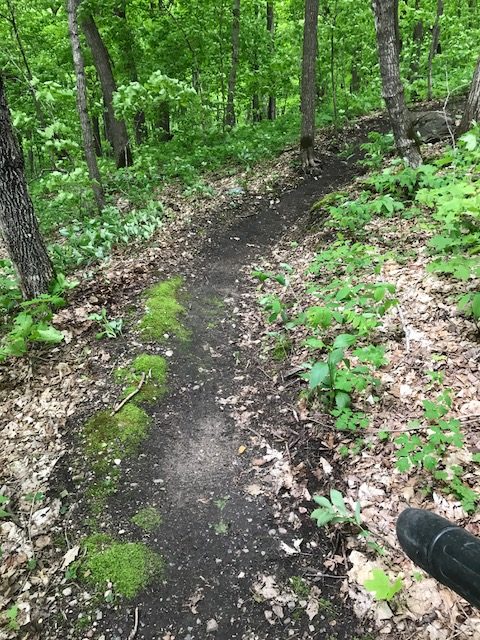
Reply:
x=230, y=463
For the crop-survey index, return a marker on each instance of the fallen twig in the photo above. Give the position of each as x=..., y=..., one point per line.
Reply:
x=133, y=632
x=130, y=396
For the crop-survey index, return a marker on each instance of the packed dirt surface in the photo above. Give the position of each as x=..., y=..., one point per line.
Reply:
x=222, y=543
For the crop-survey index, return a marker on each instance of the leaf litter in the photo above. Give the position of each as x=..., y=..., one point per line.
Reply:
x=428, y=334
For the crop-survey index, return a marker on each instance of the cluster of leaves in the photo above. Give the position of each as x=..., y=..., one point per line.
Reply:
x=428, y=448
x=158, y=91
x=346, y=302
x=333, y=510
x=446, y=188
x=92, y=239
x=30, y=321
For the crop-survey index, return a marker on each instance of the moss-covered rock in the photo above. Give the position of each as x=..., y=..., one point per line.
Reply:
x=147, y=519
x=129, y=566
x=163, y=312
x=155, y=369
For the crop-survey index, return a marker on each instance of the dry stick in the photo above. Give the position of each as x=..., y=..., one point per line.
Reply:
x=130, y=395
x=133, y=632
x=405, y=328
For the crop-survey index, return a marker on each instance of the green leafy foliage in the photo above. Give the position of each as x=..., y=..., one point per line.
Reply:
x=32, y=324
x=381, y=585
x=427, y=447
x=334, y=510
x=4, y=501
x=376, y=149
x=110, y=328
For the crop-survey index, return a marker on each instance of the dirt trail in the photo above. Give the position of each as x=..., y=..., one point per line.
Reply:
x=216, y=539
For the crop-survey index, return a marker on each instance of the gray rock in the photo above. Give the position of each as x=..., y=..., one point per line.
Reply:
x=212, y=626
x=432, y=126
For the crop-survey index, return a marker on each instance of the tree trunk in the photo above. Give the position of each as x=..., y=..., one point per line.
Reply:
x=116, y=128
x=163, y=123
x=434, y=45
x=309, y=67
x=18, y=224
x=38, y=109
x=418, y=36
x=128, y=62
x=256, y=108
x=87, y=135
x=398, y=38
x=97, y=140
x=355, y=82
x=230, y=118
x=272, y=101
x=333, y=28
x=257, y=114
x=472, y=106
x=384, y=12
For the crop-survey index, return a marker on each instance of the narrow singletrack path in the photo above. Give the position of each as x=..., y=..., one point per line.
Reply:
x=215, y=538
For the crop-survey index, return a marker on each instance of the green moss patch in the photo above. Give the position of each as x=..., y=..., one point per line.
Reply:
x=147, y=519
x=108, y=438
x=155, y=369
x=129, y=566
x=163, y=312
x=116, y=436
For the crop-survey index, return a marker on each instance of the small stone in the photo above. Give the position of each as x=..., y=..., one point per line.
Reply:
x=212, y=626
x=67, y=591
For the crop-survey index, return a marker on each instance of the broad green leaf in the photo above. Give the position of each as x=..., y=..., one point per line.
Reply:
x=49, y=334
x=476, y=306
x=337, y=500
x=342, y=400
x=344, y=340
x=319, y=375
x=322, y=516
x=380, y=585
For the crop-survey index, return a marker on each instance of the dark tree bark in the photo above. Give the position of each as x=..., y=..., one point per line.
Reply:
x=18, y=224
x=87, y=135
x=384, y=12
x=129, y=64
x=398, y=38
x=257, y=114
x=355, y=82
x=434, y=45
x=418, y=36
x=309, y=67
x=163, y=123
x=472, y=106
x=256, y=108
x=230, y=118
x=333, y=28
x=97, y=140
x=272, y=100
x=117, y=129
